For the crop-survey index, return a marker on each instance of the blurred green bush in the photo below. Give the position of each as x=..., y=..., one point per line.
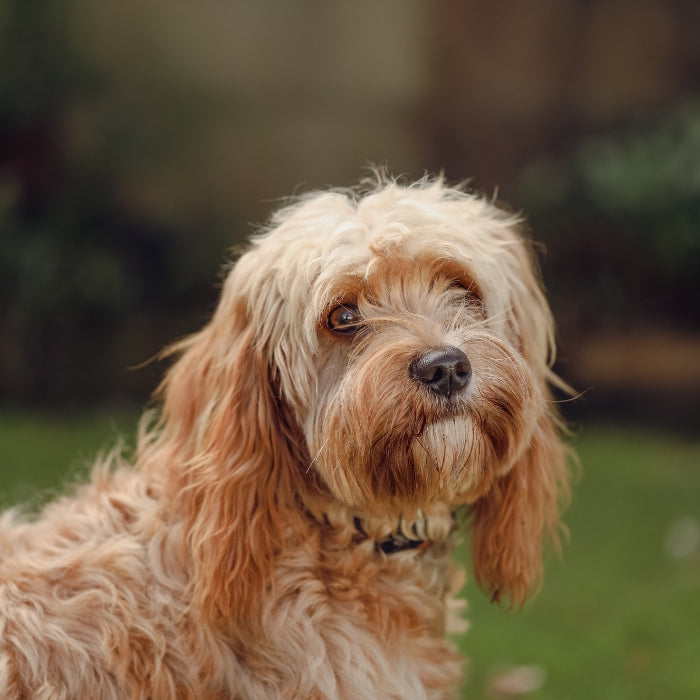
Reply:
x=621, y=215
x=95, y=277
x=87, y=285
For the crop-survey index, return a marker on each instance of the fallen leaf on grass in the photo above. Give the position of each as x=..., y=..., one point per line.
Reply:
x=516, y=681
x=682, y=538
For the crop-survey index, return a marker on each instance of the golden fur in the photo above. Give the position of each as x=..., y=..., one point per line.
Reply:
x=240, y=556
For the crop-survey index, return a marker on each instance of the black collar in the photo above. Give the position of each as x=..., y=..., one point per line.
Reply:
x=398, y=543
x=394, y=542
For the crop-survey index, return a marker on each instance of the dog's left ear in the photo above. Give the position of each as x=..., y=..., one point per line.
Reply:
x=521, y=510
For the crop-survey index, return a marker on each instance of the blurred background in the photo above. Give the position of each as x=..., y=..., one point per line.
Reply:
x=139, y=142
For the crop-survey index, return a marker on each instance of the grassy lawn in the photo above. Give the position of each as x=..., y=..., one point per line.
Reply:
x=39, y=453
x=619, y=615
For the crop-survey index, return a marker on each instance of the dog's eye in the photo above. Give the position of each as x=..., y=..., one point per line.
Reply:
x=466, y=294
x=344, y=319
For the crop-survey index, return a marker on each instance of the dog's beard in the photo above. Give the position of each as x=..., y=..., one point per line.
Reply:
x=382, y=441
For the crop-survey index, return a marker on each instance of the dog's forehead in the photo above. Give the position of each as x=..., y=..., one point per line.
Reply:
x=391, y=256
x=396, y=251
x=322, y=247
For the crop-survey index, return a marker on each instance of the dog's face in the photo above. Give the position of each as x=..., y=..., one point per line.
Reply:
x=390, y=352
x=409, y=337
x=421, y=395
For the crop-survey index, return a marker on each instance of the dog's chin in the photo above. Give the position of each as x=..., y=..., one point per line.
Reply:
x=451, y=461
x=448, y=455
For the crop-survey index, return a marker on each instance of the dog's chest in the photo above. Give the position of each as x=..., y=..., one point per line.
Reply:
x=363, y=619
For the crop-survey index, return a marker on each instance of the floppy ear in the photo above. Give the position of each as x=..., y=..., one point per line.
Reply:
x=520, y=511
x=232, y=454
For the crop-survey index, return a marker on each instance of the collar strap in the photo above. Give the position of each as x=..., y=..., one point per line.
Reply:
x=392, y=543
x=398, y=543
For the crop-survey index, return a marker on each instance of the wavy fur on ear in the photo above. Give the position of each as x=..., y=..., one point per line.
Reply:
x=232, y=466
x=521, y=510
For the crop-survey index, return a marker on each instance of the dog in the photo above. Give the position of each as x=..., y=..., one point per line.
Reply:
x=377, y=374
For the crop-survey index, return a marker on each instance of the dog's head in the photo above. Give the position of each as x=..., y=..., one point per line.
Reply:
x=392, y=350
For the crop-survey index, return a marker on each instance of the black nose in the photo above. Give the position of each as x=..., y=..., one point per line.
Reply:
x=444, y=370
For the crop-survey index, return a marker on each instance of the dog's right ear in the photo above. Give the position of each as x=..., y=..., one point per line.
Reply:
x=227, y=449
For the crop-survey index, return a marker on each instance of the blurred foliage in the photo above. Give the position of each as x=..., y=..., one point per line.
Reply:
x=40, y=66
x=76, y=266
x=98, y=269
x=621, y=214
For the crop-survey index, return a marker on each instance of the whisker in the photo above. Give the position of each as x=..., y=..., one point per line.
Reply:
x=462, y=459
x=318, y=454
x=427, y=452
x=569, y=399
x=467, y=319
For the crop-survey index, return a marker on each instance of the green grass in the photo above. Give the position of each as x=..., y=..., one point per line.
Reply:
x=41, y=452
x=618, y=617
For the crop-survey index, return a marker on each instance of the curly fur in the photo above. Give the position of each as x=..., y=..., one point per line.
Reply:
x=239, y=557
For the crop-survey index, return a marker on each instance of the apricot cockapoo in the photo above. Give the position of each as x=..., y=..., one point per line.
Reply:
x=379, y=362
